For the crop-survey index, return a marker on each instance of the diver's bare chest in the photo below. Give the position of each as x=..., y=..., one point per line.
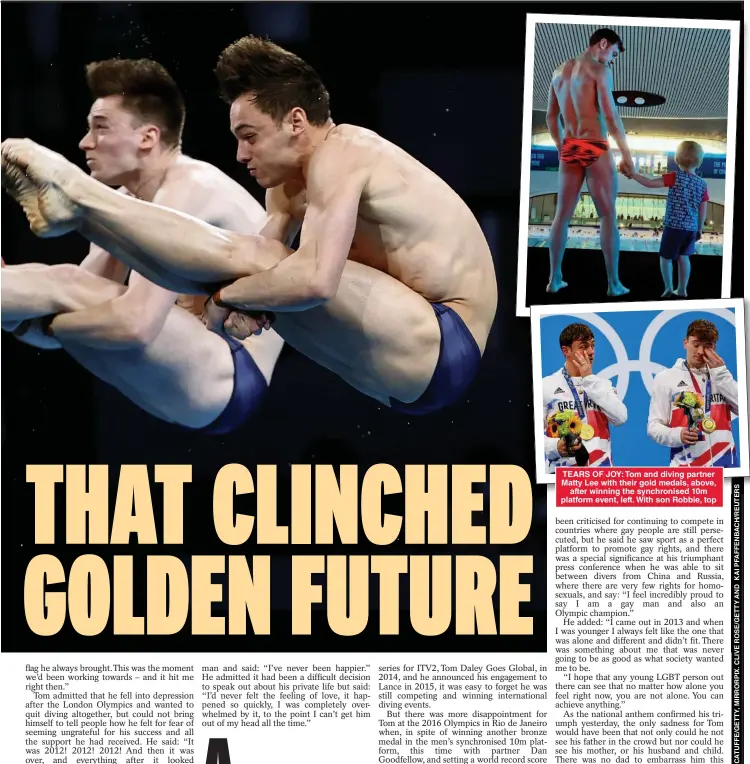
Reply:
x=368, y=249
x=366, y=244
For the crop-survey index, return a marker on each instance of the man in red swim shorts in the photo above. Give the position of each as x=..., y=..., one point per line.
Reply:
x=580, y=112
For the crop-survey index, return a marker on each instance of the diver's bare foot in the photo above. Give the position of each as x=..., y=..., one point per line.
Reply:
x=50, y=213
x=617, y=290
x=555, y=285
x=21, y=189
x=668, y=293
x=35, y=176
x=40, y=164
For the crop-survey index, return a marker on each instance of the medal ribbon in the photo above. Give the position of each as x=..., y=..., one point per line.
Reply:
x=576, y=399
x=707, y=401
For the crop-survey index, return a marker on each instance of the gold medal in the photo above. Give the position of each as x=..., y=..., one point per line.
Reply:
x=587, y=432
x=709, y=425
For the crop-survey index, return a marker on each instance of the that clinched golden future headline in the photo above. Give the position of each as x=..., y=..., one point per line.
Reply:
x=440, y=504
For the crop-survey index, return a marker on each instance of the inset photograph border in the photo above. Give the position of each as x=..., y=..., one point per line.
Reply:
x=629, y=344
x=642, y=227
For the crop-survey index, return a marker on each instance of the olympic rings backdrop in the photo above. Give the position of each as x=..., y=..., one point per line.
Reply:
x=632, y=347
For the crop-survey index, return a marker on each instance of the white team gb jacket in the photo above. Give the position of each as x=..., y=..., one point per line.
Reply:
x=665, y=420
x=604, y=408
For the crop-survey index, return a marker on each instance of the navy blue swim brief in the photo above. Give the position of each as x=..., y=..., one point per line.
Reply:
x=458, y=364
x=249, y=387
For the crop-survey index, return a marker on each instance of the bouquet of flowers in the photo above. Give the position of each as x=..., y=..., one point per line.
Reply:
x=568, y=425
x=564, y=424
x=692, y=404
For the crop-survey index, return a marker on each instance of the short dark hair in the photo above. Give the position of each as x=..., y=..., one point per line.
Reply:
x=147, y=89
x=609, y=35
x=575, y=332
x=278, y=80
x=703, y=330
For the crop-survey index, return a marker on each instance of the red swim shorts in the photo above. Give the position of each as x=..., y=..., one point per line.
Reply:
x=582, y=151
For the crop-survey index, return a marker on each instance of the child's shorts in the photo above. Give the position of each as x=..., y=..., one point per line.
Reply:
x=676, y=243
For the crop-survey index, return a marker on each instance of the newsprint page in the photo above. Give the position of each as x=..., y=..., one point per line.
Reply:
x=374, y=383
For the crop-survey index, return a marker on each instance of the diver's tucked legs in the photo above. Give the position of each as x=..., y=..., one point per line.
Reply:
x=185, y=375
x=45, y=290
x=362, y=325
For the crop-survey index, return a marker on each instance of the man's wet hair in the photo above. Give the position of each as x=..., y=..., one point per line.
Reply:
x=277, y=80
x=147, y=89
